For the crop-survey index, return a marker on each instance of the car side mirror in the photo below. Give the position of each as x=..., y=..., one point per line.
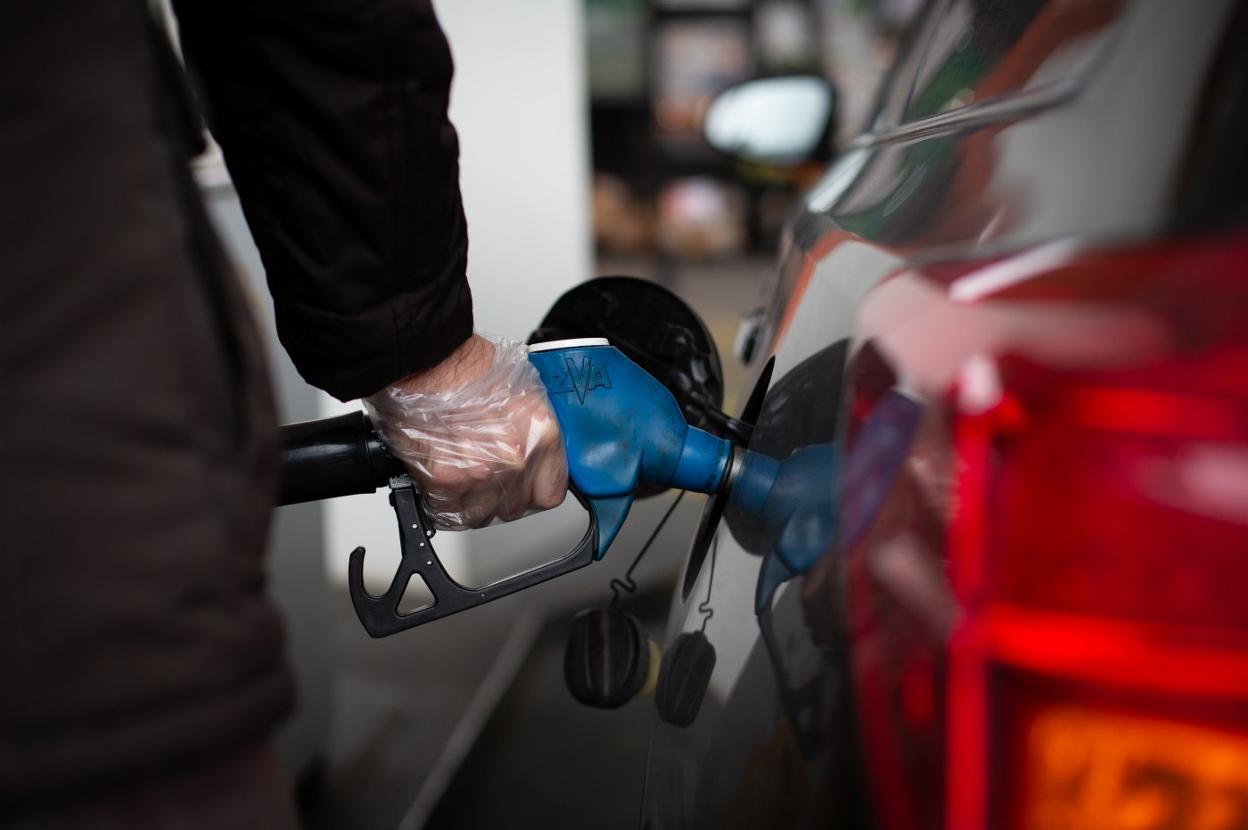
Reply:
x=783, y=121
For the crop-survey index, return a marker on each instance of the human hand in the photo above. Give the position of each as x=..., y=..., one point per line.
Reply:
x=477, y=434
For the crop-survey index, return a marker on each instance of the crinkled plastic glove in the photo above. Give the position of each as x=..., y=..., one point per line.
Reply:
x=478, y=435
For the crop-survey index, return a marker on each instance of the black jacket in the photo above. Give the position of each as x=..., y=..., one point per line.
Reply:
x=332, y=117
x=137, y=435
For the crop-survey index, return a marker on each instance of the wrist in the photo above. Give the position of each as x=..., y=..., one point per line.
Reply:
x=470, y=360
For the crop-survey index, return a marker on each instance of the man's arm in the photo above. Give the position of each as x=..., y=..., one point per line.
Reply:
x=332, y=117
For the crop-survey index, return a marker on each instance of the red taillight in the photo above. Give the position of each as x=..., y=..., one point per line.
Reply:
x=1102, y=567
x=1089, y=759
x=1065, y=562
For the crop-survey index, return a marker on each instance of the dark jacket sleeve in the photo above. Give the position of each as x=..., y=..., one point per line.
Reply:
x=332, y=116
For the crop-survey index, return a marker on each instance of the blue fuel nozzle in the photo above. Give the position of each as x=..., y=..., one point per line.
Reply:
x=623, y=431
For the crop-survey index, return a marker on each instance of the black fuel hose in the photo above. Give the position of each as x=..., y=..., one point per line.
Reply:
x=332, y=457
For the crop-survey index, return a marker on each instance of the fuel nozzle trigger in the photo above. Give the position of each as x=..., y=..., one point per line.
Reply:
x=380, y=615
x=623, y=432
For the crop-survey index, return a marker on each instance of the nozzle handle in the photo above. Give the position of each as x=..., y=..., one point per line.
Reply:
x=380, y=615
x=343, y=456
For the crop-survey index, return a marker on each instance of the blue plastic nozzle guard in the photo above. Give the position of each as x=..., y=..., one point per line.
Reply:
x=623, y=430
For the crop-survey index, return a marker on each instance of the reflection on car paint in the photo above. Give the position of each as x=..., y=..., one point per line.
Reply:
x=874, y=460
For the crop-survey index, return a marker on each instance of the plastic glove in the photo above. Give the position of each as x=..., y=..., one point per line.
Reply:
x=477, y=434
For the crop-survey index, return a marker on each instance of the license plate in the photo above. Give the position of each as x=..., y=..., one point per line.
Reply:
x=1091, y=770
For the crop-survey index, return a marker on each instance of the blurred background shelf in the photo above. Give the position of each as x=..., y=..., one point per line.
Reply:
x=654, y=67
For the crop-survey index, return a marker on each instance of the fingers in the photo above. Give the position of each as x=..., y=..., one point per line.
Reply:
x=487, y=450
x=549, y=477
x=460, y=490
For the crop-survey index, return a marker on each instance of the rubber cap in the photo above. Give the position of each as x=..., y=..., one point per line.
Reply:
x=607, y=658
x=683, y=678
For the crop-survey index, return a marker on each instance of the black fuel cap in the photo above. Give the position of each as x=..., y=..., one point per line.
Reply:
x=607, y=658
x=683, y=678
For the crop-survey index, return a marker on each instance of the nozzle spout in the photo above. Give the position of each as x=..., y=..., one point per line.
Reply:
x=703, y=462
